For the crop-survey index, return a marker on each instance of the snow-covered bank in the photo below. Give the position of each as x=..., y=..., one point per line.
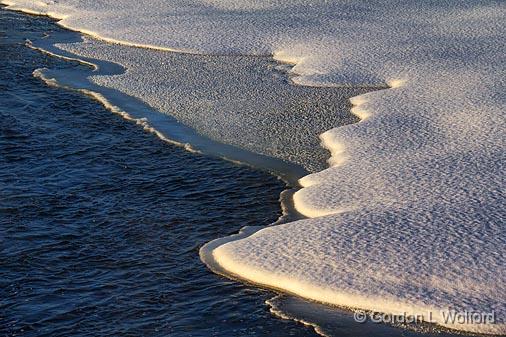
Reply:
x=410, y=214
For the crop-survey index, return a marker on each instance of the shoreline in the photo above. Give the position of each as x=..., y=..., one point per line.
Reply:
x=177, y=135
x=247, y=231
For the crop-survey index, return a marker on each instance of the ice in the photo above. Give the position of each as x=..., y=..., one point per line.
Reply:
x=240, y=100
x=409, y=215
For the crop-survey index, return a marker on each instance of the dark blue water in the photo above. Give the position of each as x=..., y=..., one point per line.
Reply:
x=101, y=223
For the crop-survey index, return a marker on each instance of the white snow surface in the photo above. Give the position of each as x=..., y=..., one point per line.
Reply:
x=409, y=216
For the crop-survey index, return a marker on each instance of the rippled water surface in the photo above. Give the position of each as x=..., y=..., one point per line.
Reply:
x=101, y=222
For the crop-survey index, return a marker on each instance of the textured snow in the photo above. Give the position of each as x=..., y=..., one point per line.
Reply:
x=410, y=214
